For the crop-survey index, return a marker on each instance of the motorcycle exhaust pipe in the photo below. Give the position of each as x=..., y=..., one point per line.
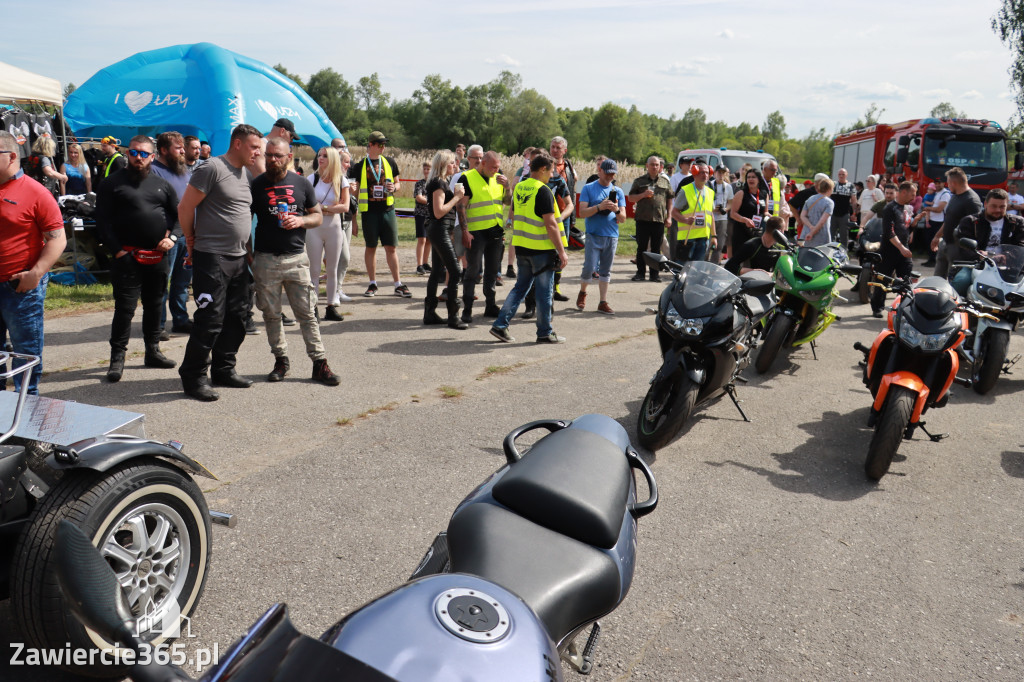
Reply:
x=223, y=519
x=651, y=311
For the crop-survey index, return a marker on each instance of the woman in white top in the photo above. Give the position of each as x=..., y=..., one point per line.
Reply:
x=868, y=198
x=349, y=227
x=323, y=244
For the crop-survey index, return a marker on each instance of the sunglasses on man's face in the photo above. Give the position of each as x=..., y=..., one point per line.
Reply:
x=140, y=153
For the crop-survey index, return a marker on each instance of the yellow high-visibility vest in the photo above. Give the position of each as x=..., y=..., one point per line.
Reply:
x=527, y=228
x=364, y=190
x=702, y=204
x=484, y=209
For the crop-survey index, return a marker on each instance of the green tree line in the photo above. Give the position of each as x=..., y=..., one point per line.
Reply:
x=503, y=115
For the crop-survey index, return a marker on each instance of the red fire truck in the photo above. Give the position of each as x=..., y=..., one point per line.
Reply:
x=924, y=149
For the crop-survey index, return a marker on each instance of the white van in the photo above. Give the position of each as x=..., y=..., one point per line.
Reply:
x=732, y=158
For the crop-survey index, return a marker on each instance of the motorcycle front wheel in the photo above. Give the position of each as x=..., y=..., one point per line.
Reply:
x=889, y=430
x=990, y=364
x=778, y=332
x=665, y=409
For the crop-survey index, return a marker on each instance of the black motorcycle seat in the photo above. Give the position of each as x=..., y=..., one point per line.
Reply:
x=572, y=481
x=759, y=305
x=566, y=582
x=755, y=275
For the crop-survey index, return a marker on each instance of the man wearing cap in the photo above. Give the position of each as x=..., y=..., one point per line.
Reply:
x=723, y=200
x=652, y=194
x=31, y=240
x=376, y=179
x=603, y=206
x=693, y=210
x=113, y=160
x=283, y=128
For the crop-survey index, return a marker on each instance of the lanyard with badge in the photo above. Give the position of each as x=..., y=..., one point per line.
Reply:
x=770, y=199
x=756, y=217
x=377, y=190
x=698, y=216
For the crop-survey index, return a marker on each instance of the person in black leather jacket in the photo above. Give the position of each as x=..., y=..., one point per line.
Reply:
x=993, y=226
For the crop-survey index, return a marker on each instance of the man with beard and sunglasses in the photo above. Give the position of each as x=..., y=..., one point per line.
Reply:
x=137, y=220
x=171, y=164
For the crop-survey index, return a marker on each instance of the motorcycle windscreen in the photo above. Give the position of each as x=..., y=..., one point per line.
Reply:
x=812, y=260
x=1010, y=259
x=705, y=283
x=274, y=651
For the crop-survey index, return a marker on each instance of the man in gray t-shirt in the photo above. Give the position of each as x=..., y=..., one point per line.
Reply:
x=215, y=215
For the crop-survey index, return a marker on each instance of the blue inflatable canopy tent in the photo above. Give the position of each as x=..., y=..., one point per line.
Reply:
x=201, y=89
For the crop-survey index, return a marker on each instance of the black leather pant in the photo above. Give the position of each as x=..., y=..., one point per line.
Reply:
x=132, y=280
x=486, y=251
x=442, y=260
x=222, y=288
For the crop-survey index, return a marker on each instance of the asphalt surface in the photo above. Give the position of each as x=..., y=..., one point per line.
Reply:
x=770, y=556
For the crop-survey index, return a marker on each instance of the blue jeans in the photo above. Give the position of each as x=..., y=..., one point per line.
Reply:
x=538, y=270
x=23, y=318
x=176, y=297
x=598, y=255
x=694, y=249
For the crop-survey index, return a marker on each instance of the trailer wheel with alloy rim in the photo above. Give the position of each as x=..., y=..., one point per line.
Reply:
x=150, y=522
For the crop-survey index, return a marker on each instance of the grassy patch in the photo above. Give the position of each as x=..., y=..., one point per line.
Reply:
x=498, y=370
x=449, y=392
x=612, y=342
x=79, y=299
x=348, y=421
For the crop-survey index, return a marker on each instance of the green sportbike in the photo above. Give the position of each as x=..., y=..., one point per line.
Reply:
x=805, y=281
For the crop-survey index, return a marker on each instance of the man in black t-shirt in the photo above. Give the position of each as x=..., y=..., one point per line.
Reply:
x=285, y=207
x=964, y=202
x=844, y=195
x=895, y=251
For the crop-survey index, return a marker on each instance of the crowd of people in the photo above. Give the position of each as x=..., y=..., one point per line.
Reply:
x=244, y=230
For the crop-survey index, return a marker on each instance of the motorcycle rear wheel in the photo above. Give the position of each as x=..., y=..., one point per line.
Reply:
x=993, y=355
x=863, y=285
x=665, y=409
x=778, y=333
x=889, y=430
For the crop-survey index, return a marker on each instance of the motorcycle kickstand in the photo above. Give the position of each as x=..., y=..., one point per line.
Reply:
x=814, y=353
x=584, y=663
x=1009, y=364
x=934, y=437
x=731, y=390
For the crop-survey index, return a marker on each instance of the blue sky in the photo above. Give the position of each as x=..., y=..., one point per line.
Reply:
x=820, y=63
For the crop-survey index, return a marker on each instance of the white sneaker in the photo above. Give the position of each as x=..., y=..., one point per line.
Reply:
x=343, y=297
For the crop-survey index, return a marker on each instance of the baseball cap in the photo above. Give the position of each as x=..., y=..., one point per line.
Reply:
x=110, y=139
x=286, y=124
x=808, y=183
x=609, y=166
x=377, y=137
x=931, y=186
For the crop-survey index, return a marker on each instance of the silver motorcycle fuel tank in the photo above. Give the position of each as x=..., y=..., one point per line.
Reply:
x=450, y=628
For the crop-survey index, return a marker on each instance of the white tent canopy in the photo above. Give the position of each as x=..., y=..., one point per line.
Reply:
x=20, y=86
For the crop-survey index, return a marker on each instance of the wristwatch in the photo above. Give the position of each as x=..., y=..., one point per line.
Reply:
x=173, y=237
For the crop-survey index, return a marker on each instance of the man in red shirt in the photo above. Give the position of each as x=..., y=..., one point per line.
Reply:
x=31, y=239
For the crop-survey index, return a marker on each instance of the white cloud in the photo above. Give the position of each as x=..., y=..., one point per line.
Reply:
x=684, y=69
x=937, y=93
x=972, y=94
x=759, y=84
x=1005, y=95
x=878, y=91
x=502, y=59
x=726, y=33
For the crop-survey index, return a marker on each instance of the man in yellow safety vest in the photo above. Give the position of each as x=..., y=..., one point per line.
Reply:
x=693, y=210
x=487, y=191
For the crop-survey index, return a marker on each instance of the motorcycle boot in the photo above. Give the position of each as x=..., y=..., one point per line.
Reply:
x=116, y=368
x=156, y=358
x=430, y=315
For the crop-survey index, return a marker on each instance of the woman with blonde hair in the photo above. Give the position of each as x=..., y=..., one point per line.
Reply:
x=79, y=178
x=349, y=227
x=39, y=165
x=323, y=244
x=439, y=225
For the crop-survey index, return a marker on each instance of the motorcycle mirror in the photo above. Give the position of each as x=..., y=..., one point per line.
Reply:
x=851, y=269
x=780, y=238
x=968, y=243
x=654, y=259
x=90, y=587
x=1015, y=297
